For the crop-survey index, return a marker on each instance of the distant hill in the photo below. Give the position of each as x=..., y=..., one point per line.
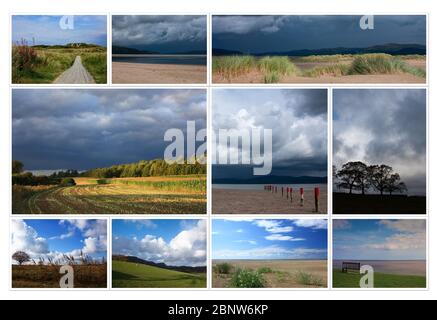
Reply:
x=273, y=180
x=158, y=265
x=125, y=50
x=68, y=46
x=391, y=48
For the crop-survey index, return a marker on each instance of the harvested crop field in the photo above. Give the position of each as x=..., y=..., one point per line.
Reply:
x=168, y=195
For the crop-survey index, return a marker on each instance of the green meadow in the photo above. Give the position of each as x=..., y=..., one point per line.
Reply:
x=382, y=280
x=132, y=275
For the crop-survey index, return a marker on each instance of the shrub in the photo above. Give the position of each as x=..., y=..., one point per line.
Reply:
x=223, y=268
x=244, y=278
x=309, y=279
x=68, y=182
x=264, y=270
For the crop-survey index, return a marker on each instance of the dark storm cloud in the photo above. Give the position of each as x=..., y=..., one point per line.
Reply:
x=160, y=33
x=83, y=129
x=297, y=118
x=383, y=126
x=258, y=34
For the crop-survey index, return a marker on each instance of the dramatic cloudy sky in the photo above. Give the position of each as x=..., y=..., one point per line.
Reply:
x=258, y=34
x=53, y=238
x=173, y=242
x=383, y=126
x=46, y=30
x=380, y=239
x=269, y=239
x=165, y=34
x=84, y=129
x=298, y=122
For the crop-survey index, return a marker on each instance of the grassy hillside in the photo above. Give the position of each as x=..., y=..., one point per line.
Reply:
x=131, y=275
x=352, y=280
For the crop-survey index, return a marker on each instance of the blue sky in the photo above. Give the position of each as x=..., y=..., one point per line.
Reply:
x=53, y=238
x=266, y=239
x=45, y=30
x=380, y=239
x=175, y=242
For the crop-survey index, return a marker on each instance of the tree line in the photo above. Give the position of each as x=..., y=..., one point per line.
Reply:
x=358, y=176
x=152, y=168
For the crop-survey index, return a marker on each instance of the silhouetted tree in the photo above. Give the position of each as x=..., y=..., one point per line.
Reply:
x=17, y=167
x=354, y=176
x=379, y=177
x=21, y=257
x=394, y=184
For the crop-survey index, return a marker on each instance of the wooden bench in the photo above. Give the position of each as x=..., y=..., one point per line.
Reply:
x=351, y=266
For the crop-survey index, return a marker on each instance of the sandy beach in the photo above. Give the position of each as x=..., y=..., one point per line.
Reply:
x=141, y=73
x=237, y=201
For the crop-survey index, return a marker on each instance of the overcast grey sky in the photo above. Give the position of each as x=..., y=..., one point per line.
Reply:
x=383, y=126
x=87, y=128
x=165, y=34
x=258, y=34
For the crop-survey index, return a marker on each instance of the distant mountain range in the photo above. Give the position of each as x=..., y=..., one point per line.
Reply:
x=126, y=50
x=136, y=260
x=273, y=180
x=391, y=48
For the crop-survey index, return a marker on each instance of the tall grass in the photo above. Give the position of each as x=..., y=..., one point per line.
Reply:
x=280, y=65
x=383, y=64
x=336, y=70
x=232, y=66
x=95, y=63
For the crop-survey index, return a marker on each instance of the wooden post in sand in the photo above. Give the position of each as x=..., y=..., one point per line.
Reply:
x=288, y=191
x=273, y=189
x=301, y=197
x=291, y=195
x=316, y=198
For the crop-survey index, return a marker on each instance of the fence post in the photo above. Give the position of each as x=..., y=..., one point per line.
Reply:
x=291, y=195
x=316, y=198
x=301, y=197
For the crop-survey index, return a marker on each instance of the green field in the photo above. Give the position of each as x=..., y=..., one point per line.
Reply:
x=41, y=64
x=382, y=280
x=132, y=275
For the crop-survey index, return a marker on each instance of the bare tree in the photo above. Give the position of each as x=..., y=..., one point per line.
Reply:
x=21, y=257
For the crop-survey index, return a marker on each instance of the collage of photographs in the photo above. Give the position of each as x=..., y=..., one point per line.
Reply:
x=219, y=152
